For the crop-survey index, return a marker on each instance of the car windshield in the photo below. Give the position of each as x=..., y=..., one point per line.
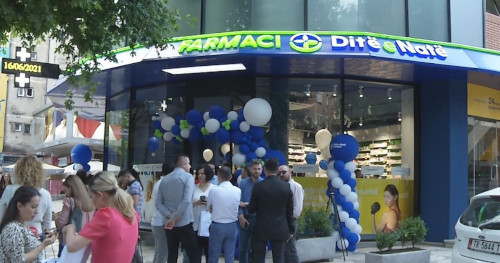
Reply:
x=481, y=210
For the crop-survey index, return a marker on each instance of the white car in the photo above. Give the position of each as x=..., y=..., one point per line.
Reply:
x=478, y=230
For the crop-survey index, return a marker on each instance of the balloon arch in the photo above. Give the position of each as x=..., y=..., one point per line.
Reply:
x=244, y=129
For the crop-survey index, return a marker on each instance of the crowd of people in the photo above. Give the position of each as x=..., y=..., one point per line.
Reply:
x=210, y=214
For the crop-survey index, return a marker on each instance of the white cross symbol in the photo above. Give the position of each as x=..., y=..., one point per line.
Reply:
x=22, y=80
x=164, y=105
x=23, y=54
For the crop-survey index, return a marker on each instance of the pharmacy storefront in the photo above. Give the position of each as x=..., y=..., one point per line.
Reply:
x=403, y=99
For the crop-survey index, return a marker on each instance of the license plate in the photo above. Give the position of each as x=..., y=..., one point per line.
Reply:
x=484, y=246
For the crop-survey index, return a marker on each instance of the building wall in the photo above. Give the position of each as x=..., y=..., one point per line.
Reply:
x=492, y=25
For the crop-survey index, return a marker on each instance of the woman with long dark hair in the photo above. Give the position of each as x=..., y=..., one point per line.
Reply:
x=18, y=243
x=204, y=174
x=390, y=218
x=114, y=230
x=4, y=182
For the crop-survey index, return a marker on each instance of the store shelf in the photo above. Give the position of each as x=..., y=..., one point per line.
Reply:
x=380, y=153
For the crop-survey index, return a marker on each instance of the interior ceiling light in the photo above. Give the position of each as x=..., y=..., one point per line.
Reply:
x=205, y=69
x=335, y=90
x=360, y=121
x=308, y=90
x=361, y=91
x=369, y=109
x=399, y=116
x=389, y=96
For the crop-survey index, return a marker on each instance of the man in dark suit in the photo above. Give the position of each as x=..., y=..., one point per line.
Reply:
x=272, y=201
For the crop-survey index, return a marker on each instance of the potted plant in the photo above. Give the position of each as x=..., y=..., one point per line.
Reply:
x=412, y=230
x=314, y=233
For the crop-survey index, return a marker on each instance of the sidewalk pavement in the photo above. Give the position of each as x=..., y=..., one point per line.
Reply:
x=439, y=254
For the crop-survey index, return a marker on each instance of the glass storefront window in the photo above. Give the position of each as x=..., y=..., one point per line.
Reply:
x=277, y=15
x=423, y=13
x=117, y=135
x=357, y=15
x=227, y=15
x=189, y=21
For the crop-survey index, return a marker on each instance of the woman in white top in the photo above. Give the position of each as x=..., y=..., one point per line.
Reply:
x=29, y=172
x=204, y=174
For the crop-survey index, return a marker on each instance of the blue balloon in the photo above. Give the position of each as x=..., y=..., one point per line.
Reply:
x=251, y=156
x=234, y=125
x=153, y=144
x=256, y=132
x=240, y=115
x=345, y=232
x=237, y=136
x=238, y=173
x=329, y=184
x=352, y=183
x=157, y=125
x=351, y=247
x=195, y=135
x=323, y=164
x=262, y=143
x=253, y=146
x=281, y=157
x=217, y=112
x=344, y=147
x=176, y=130
x=222, y=135
x=175, y=140
x=345, y=175
x=328, y=191
x=354, y=214
x=201, y=124
x=352, y=238
x=340, y=199
x=348, y=207
x=86, y=167
x=311, y=158
x=178, y=120
x=194, y=117
x=81, y=154
x=339, y=165
x=244, y=149
x=227, y=157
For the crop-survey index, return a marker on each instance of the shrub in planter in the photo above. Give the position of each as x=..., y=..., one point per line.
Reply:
x=412, y=230
x=386, y=240
x=314, y=223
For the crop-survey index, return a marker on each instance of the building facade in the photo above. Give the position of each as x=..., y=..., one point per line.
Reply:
x=401, y=90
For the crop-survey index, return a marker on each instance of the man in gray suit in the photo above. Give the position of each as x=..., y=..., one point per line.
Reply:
x=175, y=203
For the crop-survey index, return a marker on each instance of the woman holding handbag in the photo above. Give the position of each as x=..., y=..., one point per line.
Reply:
x=77, y=208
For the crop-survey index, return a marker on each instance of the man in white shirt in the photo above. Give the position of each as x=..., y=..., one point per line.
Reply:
x=223, y=202
x=298, y=199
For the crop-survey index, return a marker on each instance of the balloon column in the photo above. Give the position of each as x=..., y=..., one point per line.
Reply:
x=344, y=149
x=243, y=128
x=81, y=155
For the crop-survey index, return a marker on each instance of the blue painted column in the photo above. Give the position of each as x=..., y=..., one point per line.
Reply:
x=443, y=155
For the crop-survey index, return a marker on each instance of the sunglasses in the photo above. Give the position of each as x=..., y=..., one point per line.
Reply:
x=282, y=172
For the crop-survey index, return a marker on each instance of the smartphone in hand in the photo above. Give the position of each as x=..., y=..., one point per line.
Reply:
x=203, y=198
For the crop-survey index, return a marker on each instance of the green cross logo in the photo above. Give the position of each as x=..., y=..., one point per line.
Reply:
x=305, y=43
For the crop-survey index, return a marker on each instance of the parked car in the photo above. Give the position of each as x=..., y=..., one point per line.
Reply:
x=478, y=230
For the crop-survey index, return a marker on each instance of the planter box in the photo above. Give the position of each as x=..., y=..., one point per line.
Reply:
x=318, y=248
x=418, y=256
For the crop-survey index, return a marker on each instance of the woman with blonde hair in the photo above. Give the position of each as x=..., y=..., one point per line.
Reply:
x=77, y=208
x=113, y=232
x=29, y=172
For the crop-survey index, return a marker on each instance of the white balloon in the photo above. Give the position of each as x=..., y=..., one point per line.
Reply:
x=162, y=115
x=351, y=224
x=77, y=167
x=167, y=136
x=358, y=229
x=238, y=159
x=345, y=245
x=353, y=175
x=336, y=235
x=232, y=115
x=345, y=189
x=207, y=155
x=236, y=148
x=244, y=126
x=212, y=125
x=206, y=116
x=337, y=182
x=339, y=208
x=225, y=148
x=351, y=166
x=326, y=152
x=167, y=123
x=260, y=151
x=343, y=215
x=332, y=173
x=257, y=112
x=359, y=238
x=185, y=133
x=356, y=205
x=352, y=197
x=323, y=138
x=330, y=165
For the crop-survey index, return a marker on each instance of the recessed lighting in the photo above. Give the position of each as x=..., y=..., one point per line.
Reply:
x=205, y=69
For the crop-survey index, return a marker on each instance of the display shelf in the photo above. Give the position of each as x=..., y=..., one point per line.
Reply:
x=383, y=153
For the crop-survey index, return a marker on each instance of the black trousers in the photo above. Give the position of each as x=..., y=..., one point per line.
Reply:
x=186, y=236
x=277, y=248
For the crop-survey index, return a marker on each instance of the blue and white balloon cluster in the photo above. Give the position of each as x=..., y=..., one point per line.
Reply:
x=243, y=128
x=344, y=149
x=81, y=154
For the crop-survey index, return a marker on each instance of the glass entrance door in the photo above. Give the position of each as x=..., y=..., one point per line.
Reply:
x=483, y=155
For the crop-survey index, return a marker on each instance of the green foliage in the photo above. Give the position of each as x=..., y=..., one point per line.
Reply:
x=386, y=239
x=88, y=29
x=315, y=223
x=412, y=230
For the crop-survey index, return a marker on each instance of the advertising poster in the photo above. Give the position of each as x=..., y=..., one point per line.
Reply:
x=369, y=191
x=4, y=53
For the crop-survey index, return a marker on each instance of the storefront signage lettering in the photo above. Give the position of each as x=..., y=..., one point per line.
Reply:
x=308, y=43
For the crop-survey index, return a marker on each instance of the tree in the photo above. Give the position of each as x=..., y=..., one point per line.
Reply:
x=88, y=29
